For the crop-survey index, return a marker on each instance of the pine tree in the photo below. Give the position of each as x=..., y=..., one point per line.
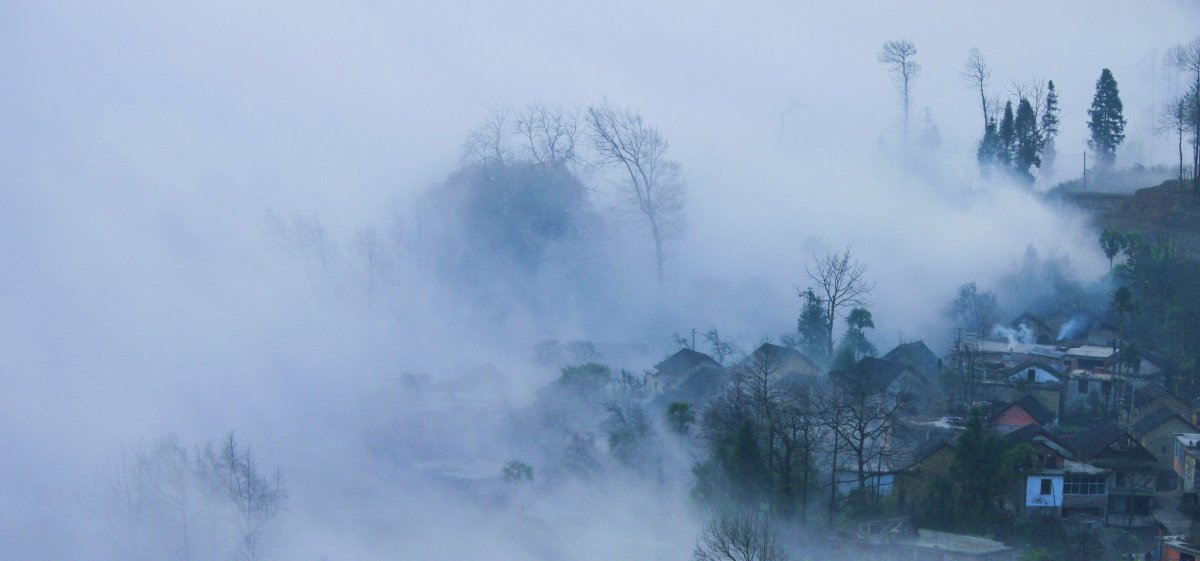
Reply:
x=811, y=326
x=1028, y=142
x=986, y=154
x=1007, y=137
x=1107, y=121
x=1049, y=127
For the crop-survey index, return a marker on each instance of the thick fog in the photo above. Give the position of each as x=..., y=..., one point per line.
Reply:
x=184, y=183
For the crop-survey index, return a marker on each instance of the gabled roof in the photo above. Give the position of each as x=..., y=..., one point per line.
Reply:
x=1030, y=433
x=1025, y=365
x=683, y=361
x=1094, y=440
x=1046, y=351
x=879, y=374
x=1032, y=406
x=1156, y=419
x=788, y=362
x=698, y=388
x=916, y=355
x=1023, y=434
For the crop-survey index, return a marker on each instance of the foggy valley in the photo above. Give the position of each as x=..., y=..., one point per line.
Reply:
x=543, y=280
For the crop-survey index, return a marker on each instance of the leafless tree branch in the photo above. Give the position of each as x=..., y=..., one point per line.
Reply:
x=550, y=133
x=841, y=282
x=654, y=188
x=898, y=56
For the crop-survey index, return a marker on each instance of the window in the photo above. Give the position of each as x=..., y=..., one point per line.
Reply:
x=1030, y=375
x=1047, y=487
x=1083, y=484
x=1105, y=387
x=1083, y=385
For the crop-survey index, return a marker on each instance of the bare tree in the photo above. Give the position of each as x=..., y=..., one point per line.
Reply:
x=369, y=248
x=841, y=282
x=761, y=372
x=738, y=538
x=970, y=369
x=1187, y=57
x=868, y=414
x=994, y=106
x=1033, y=89
x=1174, y=121
x=799, y=437
x=729, y=409
x=722, y=349
x=762, y=369
x=898, y=56
x=654, y=188
x=1019, y=89
x=166, y=470
x=976, y=73
x=1037, y=96
x=487, y=144
x=974, y=309
x=150, y=497
x=232, y=474
x=550, y=133
x=780, y=415
x=629, y=431
x=831, y=416
x=125, y=502
x=304, y=237
x=1138, y=488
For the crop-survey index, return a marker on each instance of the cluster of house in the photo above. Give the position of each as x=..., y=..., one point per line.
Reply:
x=1131, y=461
x=1124, y=465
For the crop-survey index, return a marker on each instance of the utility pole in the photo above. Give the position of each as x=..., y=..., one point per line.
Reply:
x=1085, y=170
x=1129, y=416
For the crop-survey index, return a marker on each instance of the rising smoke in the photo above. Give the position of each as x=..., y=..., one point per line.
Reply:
x=218, y=216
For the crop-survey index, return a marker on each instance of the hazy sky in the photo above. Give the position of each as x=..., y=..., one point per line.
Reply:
x=143, y=143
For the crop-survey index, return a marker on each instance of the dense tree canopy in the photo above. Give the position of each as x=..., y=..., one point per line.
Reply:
x=1028, y=142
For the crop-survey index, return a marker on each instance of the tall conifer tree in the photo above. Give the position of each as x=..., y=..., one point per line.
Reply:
x=988, y=148
x=1028, y=142
x=811, y=327
x=1007, y=136
x=1107, y=121
x=1049, y=128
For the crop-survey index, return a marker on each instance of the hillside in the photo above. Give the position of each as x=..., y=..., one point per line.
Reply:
x=1167, y=211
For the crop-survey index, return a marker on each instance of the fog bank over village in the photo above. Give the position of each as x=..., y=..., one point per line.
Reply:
x=620, y=281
